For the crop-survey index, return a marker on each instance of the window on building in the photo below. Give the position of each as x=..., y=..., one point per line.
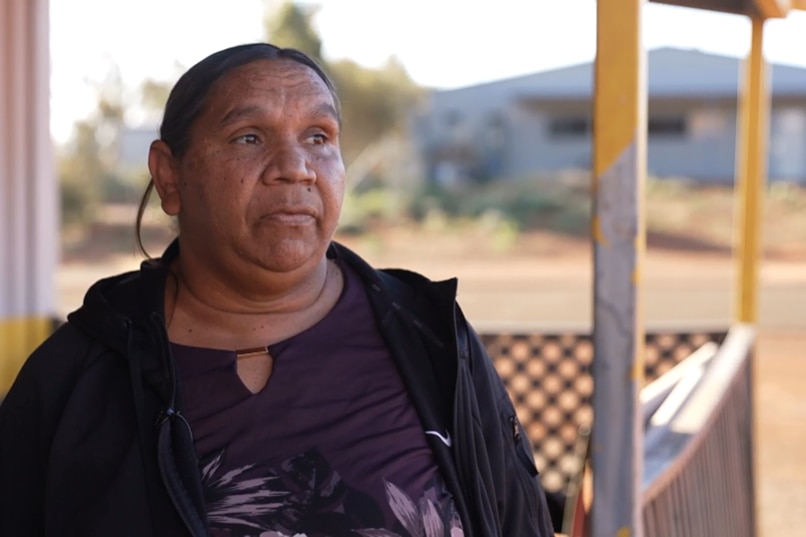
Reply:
x=579, y=126
x=671, y=126
x=570, y=127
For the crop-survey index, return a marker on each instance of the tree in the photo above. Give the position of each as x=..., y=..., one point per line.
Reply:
x=86, y=165
x=154, y=95
x=375, y=103
x=80, y=168
x=291, y=26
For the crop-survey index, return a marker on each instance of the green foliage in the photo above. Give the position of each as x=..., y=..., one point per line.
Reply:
x=80, y=168
x=78, y=204
x=502, y=232
x=291, y=26
x=124, y=187
x=375, y=103
x=790, y=195
x=498, y=210
x=364, y=209
x=86, y=166
x=154, y=94
x=535, y=203
x=668, y=186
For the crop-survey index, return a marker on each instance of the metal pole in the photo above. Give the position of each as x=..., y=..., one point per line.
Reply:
x=751, y=171
x=620, y=103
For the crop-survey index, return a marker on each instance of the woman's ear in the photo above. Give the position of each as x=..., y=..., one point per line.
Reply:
x=164, y=172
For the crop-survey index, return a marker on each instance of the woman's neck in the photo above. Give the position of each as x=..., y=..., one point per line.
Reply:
x=203, y=311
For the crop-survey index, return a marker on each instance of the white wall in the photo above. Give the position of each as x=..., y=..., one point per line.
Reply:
x=28, y=206
x=29, y=211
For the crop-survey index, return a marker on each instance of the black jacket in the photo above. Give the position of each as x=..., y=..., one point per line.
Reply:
x=93, y=442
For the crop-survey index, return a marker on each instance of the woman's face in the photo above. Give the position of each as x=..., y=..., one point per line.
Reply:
x=262, y=180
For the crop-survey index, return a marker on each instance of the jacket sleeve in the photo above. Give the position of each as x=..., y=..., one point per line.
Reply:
x=29, y=416
x=521, y=500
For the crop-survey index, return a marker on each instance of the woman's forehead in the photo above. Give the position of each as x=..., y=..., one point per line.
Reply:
x=264, y=85
x=263, y=75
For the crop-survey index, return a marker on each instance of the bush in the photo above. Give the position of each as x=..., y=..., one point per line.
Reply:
x=369, y=207
x=559, y=202
x=78, y=204
x=532, y=203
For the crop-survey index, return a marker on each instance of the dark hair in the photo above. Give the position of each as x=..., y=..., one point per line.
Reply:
x=190, y=91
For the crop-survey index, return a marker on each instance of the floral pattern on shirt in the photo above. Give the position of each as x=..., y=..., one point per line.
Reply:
x=304, y=497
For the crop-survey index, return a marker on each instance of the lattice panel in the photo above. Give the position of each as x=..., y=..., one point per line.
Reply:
x=665, y=350
x=549, y=379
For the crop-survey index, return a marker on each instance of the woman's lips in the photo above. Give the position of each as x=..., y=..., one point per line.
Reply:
x=292, y=216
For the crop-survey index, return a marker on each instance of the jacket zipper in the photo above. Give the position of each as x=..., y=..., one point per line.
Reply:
x=165, y=450
x=517, y=438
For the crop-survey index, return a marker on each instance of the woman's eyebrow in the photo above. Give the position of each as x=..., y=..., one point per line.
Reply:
x=327, y=109
x=240, y=112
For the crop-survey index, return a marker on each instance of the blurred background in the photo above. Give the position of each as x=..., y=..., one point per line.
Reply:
x=467, y=139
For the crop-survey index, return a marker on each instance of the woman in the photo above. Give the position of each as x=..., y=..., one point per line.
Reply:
x=259, y=379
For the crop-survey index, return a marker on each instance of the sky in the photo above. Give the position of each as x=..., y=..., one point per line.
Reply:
x=442, y=43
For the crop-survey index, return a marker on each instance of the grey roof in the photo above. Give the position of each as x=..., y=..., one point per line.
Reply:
x=672, y=72
x=679, y=72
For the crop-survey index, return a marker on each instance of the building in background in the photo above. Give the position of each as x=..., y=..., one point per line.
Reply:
x=541, y=123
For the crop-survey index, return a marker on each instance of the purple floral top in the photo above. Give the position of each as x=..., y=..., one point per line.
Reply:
x=332, y=446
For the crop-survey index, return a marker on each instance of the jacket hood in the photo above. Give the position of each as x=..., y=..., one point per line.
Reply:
x=114, y=304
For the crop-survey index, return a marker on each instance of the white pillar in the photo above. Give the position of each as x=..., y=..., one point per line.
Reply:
x=29, y=209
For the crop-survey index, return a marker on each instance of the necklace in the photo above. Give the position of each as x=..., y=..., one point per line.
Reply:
x=252, y=351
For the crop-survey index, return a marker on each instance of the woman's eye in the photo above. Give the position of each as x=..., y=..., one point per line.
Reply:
x=247, y=139
x=318, y=138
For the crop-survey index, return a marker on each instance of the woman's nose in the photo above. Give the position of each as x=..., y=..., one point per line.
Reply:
x=289, y=163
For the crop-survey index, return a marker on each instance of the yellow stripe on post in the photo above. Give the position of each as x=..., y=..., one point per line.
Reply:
x=18, y=338
x=751, y=171
x=616, y=81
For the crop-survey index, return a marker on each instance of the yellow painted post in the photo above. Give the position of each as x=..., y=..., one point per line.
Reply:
x=619, y=161
x=18, y=338
x=751, y=171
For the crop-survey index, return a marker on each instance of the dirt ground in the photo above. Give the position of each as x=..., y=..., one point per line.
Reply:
x=545, y=281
